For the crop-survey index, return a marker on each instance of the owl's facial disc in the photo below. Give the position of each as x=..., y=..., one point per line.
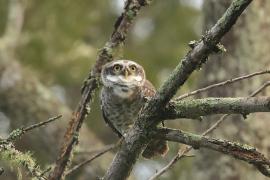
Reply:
x=123, y=73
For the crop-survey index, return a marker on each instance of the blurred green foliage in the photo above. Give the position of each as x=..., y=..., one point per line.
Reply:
x=60, y=41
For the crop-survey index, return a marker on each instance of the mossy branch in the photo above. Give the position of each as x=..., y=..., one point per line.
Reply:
x=17, y=133
x=209, y=106
x=16, y=158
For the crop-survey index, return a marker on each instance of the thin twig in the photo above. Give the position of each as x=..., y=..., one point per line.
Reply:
x=186, y=149
x=17, y=133
x=260, y=89
x=85, y=162
x=183, y=151
x=29, y=128
x=230, y=81
x=91, y=151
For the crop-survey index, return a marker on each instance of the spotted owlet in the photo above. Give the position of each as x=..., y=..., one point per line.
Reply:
x=124, y=91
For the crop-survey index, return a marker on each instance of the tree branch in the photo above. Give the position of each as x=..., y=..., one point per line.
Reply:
x=230, y=81
x=105, y=55
x=181, y=152
x=208, y=106
x=186, y=149
x=87, y=161
x=17, y=133
x=137, y=138
x=237, y=150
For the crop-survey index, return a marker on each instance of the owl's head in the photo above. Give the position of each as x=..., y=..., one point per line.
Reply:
x=122, y=73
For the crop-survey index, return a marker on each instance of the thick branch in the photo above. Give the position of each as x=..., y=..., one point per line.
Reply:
x=136, y=138
x=237, y=150
x=208, y=106
x=122, y=26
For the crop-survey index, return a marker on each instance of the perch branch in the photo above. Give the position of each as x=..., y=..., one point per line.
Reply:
x=137, y=137
x=105, y=55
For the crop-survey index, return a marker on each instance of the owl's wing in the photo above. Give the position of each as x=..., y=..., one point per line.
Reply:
x=148, y=90
x=110, y=123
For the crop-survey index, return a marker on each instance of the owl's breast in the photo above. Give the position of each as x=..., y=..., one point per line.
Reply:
x=120, y=112
x=123, y=92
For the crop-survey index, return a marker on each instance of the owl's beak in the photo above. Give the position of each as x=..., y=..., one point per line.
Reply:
x=126, y=73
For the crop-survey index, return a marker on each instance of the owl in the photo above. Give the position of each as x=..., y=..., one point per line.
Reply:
x=124, y=92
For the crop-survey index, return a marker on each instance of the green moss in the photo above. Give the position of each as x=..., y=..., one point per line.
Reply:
x=17, y=159
x=15, y=134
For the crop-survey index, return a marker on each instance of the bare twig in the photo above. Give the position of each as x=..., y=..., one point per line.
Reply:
x=230, y=81
x=91, y=151
x=17, y=133
x=186, y=149
x=122, y=25
x=260, y=89
x=87, y=161
x=29, y=128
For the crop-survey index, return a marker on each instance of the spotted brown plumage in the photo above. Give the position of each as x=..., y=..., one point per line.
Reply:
x=123, y=94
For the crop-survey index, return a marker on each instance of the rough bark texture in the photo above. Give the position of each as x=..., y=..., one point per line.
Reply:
x=247, y=51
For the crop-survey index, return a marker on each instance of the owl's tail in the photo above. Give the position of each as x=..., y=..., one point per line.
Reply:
x=155, y=148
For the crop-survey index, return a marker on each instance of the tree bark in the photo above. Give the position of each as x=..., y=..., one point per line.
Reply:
x=247, y=51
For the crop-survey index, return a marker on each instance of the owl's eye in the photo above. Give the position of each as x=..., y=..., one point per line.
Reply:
x=133, y=68
x=116, y=68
